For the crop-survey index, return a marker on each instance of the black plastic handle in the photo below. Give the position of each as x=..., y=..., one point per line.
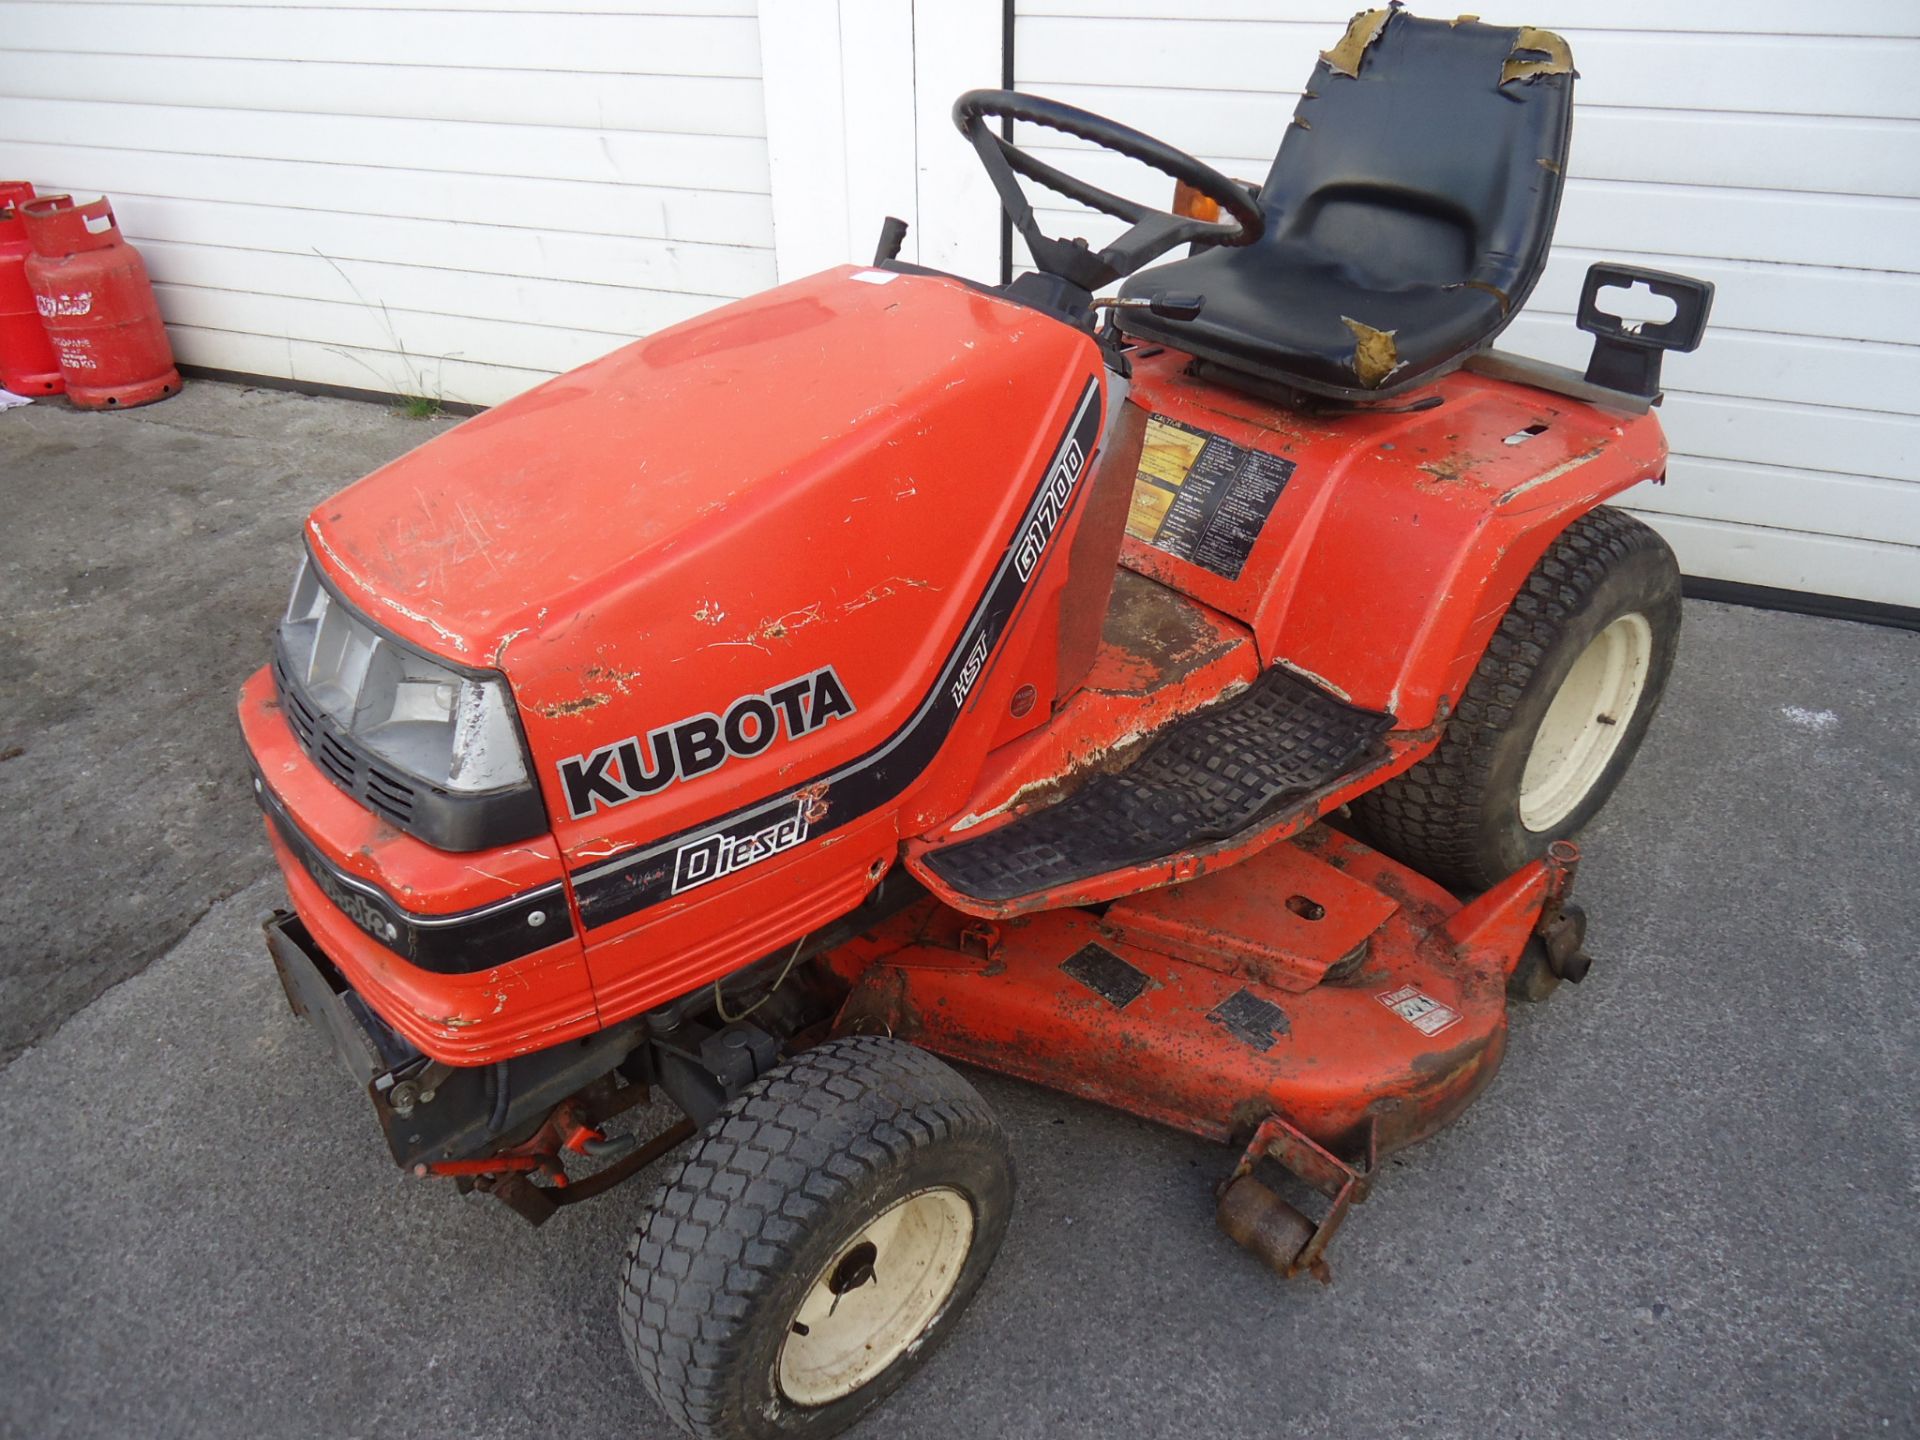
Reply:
x=1626, y=354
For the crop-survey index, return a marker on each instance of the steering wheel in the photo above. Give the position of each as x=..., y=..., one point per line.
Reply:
x=1153, y=232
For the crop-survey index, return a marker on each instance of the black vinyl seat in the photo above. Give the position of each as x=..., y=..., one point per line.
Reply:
x=1408, y=211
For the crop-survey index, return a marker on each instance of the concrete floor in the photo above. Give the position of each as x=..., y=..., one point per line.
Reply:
x=1686, y=1207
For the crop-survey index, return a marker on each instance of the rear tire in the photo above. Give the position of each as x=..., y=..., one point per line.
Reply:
x=819, y=1239
x=1536, y=747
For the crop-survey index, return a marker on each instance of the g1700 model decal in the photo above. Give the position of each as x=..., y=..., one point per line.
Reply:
x=1054, y=502
x=626, y=883
x=630, y=768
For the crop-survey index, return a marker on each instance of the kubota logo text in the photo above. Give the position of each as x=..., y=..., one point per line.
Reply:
x=636, y=766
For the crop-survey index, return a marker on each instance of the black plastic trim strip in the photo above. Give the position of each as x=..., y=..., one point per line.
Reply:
x=611, y=889
x=458, y=943
x=1801, y=602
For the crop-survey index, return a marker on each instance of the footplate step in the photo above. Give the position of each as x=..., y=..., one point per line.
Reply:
x=1207, y=778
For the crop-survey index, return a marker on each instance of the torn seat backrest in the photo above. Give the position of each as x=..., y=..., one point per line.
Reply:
x=1408, y=214
x=1427, y=152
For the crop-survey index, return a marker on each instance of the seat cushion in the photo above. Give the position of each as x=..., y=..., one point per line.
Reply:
x=1289, y=321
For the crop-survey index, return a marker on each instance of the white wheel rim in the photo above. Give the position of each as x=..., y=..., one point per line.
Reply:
x=844, y=1334
x=1583, y=726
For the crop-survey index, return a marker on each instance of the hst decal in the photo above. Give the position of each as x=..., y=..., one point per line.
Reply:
x=970, y=671
x=645, y=765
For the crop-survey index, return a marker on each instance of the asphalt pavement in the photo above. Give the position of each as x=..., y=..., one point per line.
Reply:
x=144, y=558
x=1687, y=1206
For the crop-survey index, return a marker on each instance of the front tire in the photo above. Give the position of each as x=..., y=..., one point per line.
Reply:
x=1552, y=717
x=819, y=1239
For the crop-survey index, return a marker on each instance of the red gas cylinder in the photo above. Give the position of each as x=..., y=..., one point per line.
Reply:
x=27, y=366
x=97, y=305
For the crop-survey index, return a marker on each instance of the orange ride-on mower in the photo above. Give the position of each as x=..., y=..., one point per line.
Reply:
x=1182, y=700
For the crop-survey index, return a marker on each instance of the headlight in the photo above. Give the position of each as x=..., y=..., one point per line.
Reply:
x=394, y=716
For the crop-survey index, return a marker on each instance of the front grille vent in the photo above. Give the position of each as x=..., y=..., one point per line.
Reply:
x=343, y=761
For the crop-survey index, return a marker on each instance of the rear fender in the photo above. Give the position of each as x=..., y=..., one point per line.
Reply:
x=1400, y=540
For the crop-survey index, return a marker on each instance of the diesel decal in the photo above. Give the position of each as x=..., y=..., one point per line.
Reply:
x=689, y=748
x=713, y=856
x=1055, y=497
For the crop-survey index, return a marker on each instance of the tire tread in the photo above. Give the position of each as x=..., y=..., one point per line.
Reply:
x=730, y=1219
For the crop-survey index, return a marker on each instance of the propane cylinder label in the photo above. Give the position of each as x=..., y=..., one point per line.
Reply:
x=52, y=307
x=1201, y=497
x=76, y=352
x=1423, y=1012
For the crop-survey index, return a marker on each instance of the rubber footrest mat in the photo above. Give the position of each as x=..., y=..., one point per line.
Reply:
x=1205, y=779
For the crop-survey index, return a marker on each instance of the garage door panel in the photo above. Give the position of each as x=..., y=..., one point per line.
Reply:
x=1802, y=229
x=744, y=8
x=675, y=104
x=1624, y=217
x=1790, y=560
x=450, y=200
x=1773, y=17
x=1801, y=437
x=624, y=312
x=1238, y=132
x=491, y=250
x=1851, y=507
x=1779, y=299
x=705, y=162
x=1846, y=374
x=1803, y=75
x=626, y=44
x=541, y=204
x=309, y=363
x=418, y=344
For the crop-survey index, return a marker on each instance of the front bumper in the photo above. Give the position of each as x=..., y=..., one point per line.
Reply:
x=316, y=990
x=428, y=1111
x=444, y=948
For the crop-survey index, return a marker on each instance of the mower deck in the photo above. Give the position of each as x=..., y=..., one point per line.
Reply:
x=1317, y=981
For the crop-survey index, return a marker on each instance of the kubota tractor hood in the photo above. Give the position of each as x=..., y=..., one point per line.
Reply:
x=800, y=502
x=526, y=514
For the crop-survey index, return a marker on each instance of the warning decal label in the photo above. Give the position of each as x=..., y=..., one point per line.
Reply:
x=1423, y=1012
x=1201, y=497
